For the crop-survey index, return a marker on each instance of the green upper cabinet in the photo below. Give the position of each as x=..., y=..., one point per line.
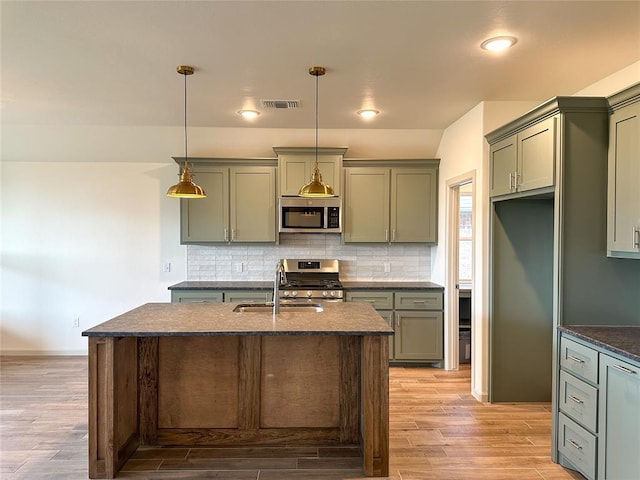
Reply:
x=252, y=207
x=623, y=207
x=524, y=161
x=296, y=165
x=239, y=207
x=366, y=204
x=207, y=219
x=384, y=204
x=413, y=204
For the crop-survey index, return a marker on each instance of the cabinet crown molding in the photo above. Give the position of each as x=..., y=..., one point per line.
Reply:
x=547, y=109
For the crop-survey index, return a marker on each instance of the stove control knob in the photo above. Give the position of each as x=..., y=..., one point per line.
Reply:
x=285, y=293
x=309, y=293
x=294, y=293
x=325, y=293
x=333, y=294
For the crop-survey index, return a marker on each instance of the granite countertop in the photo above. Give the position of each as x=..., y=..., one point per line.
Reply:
x=229, y=285
x=623, y=340
x=349, y=285
x=390, y=285
x=216, y=319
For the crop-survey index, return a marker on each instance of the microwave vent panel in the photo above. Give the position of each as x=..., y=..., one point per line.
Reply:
x=280, y=103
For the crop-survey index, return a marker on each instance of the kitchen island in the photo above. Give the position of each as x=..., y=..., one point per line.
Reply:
x=199, y=374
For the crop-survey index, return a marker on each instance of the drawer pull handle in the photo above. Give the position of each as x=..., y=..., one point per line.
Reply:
x=575, y=359
x=624, y=369
x=575, y=445
x=419, y=301
x=575, y=399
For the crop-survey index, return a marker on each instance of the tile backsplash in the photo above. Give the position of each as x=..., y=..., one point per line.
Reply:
x=364, y=262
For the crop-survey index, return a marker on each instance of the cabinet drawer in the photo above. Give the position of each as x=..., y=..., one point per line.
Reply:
x=241, y=296
x=379, y=300
x=418, y=301
x=578, y=400
x=577, y=445
x=195, y=296
x=580, y=360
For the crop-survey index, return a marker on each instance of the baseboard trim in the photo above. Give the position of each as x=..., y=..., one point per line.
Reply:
x=43, y=353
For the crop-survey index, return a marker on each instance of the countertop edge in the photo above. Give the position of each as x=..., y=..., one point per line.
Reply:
x=266, y=333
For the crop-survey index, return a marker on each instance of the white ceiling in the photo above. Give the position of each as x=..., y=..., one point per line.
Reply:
x=418, y=62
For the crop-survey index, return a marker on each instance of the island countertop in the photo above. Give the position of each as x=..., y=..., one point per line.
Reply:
x=218, y=319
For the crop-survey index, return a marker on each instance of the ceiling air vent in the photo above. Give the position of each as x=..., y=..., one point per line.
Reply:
x=280, y=103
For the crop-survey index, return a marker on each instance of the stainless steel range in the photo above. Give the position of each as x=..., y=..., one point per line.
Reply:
x=311, y=279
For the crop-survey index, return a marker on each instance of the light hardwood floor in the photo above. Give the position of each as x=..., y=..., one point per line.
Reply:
x=437, y=431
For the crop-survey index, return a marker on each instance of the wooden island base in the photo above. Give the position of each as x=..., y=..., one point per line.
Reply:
x=241, y=390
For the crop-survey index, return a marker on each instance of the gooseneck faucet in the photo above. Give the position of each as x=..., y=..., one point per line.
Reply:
x=281, y=279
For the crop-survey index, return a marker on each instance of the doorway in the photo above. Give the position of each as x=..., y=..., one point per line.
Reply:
x=459, y=270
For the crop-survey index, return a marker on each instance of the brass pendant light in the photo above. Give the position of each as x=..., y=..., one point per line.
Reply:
x=186, y=188
x=316, y=188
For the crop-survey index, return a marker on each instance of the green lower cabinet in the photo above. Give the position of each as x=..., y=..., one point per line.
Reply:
x=419, y=336
x=195, y=296
x=415, y=316
x=619, y=427
x=598, y=412
x=217, y=296
x=388, y=316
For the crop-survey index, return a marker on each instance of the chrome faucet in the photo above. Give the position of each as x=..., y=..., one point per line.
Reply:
x=281, y=279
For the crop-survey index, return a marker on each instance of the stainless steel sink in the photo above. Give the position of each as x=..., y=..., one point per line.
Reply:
x=284, y=307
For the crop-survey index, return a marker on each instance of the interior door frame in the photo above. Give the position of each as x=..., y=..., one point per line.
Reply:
x=451, y=327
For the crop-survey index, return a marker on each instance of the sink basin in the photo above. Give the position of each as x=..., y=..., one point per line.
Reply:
x=284, y=307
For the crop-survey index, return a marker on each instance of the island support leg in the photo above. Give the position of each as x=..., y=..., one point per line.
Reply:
x=375, y=397
x=113, y=404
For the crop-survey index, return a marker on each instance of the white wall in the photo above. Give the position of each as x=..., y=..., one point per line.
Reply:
x=82, y=240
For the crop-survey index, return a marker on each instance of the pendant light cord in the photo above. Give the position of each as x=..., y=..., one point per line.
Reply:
x=316, y=121
x=186, y=158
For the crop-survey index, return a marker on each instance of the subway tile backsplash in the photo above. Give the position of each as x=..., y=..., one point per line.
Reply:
x=364, y=262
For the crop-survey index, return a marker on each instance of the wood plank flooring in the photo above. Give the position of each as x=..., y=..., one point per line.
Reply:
x=437, y=431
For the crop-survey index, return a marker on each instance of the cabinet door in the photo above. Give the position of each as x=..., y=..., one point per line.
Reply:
x=536, y=156
x=414, y=204
x=206, y=219
x=623, y=219
x=419, y=336
x=294, y=171
x=366, y=216
x=252, y=205
x=619, y=420
x=502, y=166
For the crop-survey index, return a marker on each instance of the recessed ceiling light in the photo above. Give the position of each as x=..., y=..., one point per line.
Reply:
x=368, y=113
x=248, y=113
x=497, y=44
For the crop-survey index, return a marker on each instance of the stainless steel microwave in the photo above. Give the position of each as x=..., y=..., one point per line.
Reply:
x=310, y=215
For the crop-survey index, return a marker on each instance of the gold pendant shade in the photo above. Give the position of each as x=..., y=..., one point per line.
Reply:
x=186, y=188
x=316, y=187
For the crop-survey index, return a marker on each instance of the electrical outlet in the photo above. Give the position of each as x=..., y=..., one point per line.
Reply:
x=166, y=267
x=239, y=267
x=387, y=267
x=76, y=322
